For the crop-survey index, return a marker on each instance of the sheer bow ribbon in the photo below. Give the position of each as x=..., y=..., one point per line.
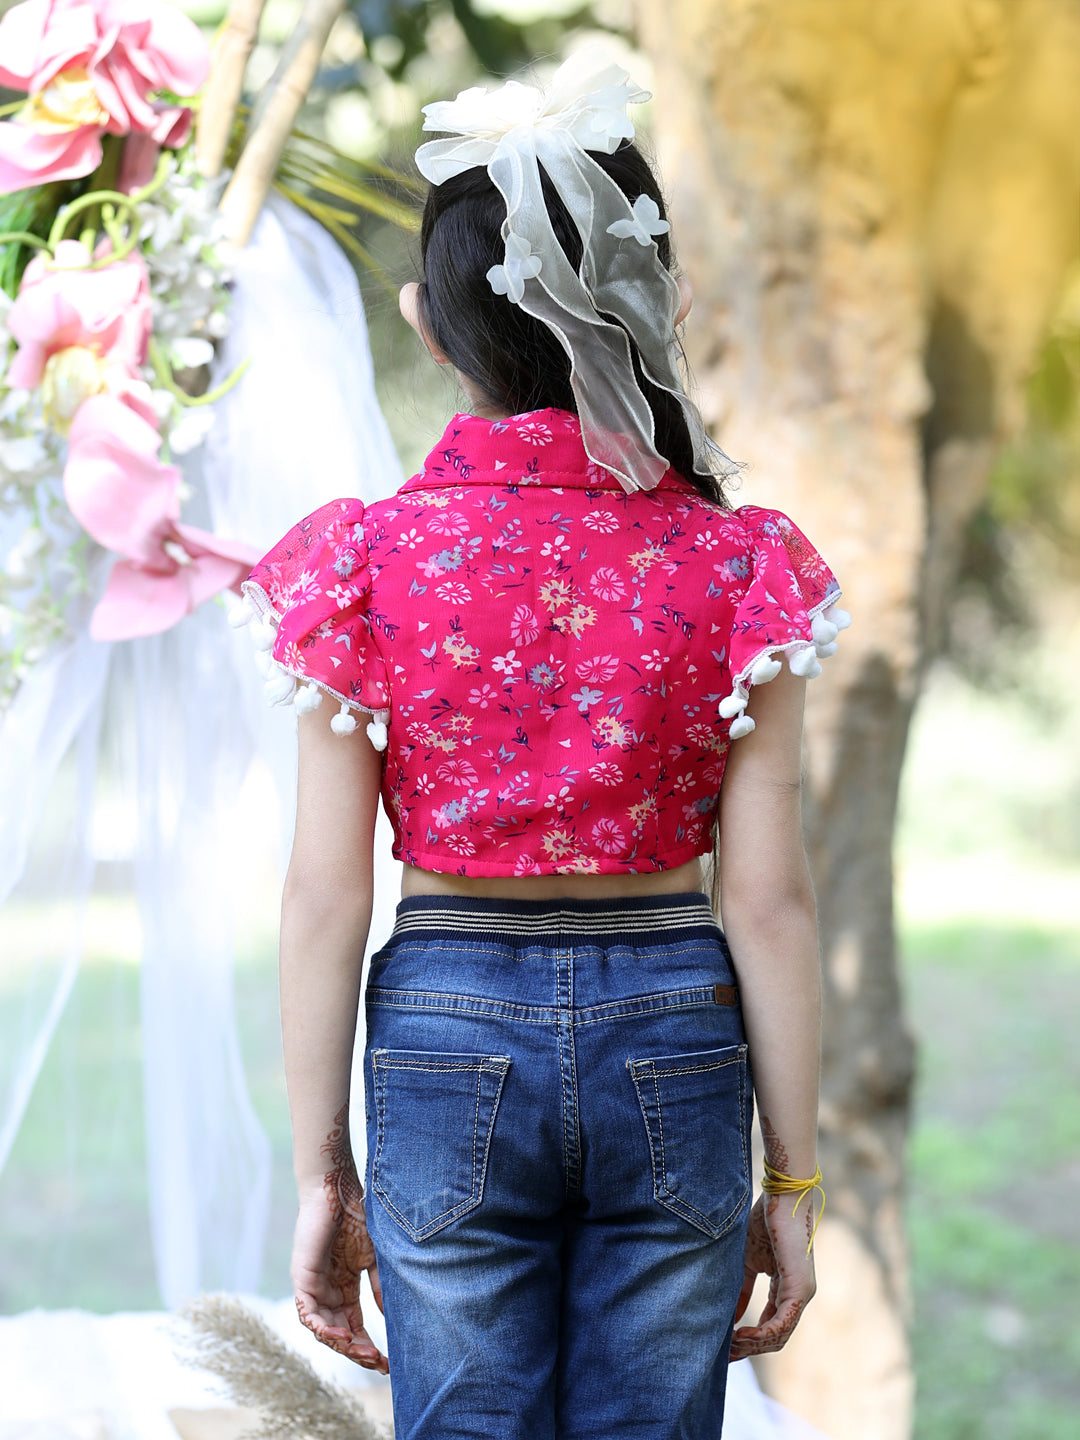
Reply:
x=511, y=132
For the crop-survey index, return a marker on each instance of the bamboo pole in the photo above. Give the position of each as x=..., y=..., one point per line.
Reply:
x=278, y=109
x=225, y=85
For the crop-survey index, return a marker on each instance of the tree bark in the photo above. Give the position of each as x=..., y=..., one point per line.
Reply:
x=874, y=201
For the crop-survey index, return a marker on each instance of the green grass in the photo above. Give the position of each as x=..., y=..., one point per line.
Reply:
x=993, y=1210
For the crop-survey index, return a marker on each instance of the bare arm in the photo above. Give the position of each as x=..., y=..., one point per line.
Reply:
x=325, y=916
x=767, y=904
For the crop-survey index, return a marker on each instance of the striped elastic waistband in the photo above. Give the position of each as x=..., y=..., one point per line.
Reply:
x=650, y=918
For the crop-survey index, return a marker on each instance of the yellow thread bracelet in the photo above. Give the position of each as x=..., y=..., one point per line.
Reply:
x=775, y=1182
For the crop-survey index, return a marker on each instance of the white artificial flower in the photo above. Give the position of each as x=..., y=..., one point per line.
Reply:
x=487, y=113
x=587, y=99
x=188, y=352
x=520, y=265
x=645, y=224
x=191, y=429
x=22, y=453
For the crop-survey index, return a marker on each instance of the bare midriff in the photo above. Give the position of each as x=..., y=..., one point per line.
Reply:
x=681, y=880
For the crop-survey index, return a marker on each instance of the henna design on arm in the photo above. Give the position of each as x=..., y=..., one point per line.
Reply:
x=351, y=1251
x=775, y=1153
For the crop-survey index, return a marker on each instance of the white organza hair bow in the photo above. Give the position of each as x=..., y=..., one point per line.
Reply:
x=511, y=132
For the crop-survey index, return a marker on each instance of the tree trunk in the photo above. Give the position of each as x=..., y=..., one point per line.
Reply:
x=874, y=201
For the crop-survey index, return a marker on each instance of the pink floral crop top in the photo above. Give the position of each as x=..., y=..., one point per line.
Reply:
x=554, y=668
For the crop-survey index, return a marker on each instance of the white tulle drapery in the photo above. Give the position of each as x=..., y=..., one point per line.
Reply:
x=172, y=723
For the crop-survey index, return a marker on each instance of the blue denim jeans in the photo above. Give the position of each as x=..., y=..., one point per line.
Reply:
x=558, y=1103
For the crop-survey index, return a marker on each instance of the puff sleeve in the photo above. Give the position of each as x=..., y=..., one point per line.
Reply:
x=308, y=600
x=788, y=608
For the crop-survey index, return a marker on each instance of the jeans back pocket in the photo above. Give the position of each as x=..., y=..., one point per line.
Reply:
x=696, y=1118
x=435, y=1116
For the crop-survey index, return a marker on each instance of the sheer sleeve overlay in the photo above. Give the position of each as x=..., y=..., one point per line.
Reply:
x=307, y=602
x=788, y=609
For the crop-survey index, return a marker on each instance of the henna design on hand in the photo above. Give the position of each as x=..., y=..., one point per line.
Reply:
x=764, y=1257
x=338, y=1249
x=775, y=1340
x=351, y=1251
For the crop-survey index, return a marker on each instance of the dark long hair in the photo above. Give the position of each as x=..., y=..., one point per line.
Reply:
x=511, y=356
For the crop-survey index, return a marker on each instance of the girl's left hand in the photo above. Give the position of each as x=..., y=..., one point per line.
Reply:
x=331, y=1248
x=776, y=1245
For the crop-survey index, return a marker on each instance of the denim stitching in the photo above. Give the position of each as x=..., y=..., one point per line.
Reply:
x=688, y=999
x=475, y=1197
x=725, y=1224
x=631, y=1006
x=448, y=1215
x=660, y=1127
x=437, y=1069
x=573, y=1070
x=562, y=1083
x=699, y=1069
x=674, y=1202
x=505, y=1070
x=380, y=1113
x=473, y=1004
x=632, y=1067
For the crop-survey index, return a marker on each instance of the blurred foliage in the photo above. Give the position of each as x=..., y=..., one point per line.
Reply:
x=31, y=211
x=500, y=44
x=1023, y=544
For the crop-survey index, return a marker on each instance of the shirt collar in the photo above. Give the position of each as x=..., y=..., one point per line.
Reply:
x=540, y=447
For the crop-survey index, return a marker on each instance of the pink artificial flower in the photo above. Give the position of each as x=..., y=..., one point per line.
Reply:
x=128, y=500
x=92, y=68
x=137, y=163
x=30, y=157
x=118, y=489
x=143, y=601
x=81, y=332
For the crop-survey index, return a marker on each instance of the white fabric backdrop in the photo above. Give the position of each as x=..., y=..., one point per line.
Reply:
x=186, y=716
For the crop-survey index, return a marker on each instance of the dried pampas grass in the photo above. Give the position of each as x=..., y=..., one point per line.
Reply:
x=264, y=1374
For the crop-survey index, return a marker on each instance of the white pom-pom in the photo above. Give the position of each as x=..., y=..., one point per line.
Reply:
x=279, y=686
x=823, y=631
x=263, y=635
x=344, y=722
x=242, y=613
x=840, y=618
x=265, y=663
x=307, y=699
x=733, y=704
x=824, y=651
x=376, y=733
x=740, y=727
x=805, y=663
x=766, y=669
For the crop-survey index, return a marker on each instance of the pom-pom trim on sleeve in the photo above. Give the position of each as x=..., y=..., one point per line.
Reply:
x=791, y=595
x=284, y=685
x=804, y=658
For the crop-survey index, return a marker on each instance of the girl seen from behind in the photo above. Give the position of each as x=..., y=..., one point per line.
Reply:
x=565, y=649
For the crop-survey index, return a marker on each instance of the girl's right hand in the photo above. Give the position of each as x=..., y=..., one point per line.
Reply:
x=775, y=1246
x=331, y=1249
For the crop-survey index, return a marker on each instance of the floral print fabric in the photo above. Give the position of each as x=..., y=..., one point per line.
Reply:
x=552, y=652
